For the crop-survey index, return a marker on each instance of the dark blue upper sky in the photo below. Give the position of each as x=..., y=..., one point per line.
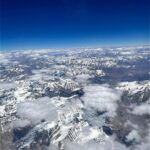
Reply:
x=73, y=23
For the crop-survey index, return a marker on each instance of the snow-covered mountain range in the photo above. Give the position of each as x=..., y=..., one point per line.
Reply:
x=76, y=99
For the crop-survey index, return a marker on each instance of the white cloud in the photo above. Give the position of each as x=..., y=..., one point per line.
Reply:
x=92, y=145
x=21, y=123
x=38, y=77
x=4, y=58
x=40, y=74
x=133, y=135
x=145, y=145
x=7, y=86
x=82, y=78
x=101, y=98
x=143, y=109
x=37, y=111
x=52, y=147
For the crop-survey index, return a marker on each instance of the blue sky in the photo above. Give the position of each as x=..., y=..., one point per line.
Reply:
x=27, y=24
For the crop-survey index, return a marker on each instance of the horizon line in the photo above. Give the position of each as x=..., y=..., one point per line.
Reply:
x=72, y=48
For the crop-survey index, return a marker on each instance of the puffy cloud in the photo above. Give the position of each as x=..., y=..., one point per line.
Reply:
x=143, y=109
x=52, y=147
x=38, y=77
x=37, y=111
x=92, y=145
x=40, y=74
x=21, y=123
x=82, y=78
x=133, y=136
x=7, y=85
x=101, y=98
x=4, y=58
x=145, y=145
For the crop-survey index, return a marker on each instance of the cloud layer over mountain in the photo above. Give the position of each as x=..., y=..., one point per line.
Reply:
x=37, y=111
x=101, y=98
